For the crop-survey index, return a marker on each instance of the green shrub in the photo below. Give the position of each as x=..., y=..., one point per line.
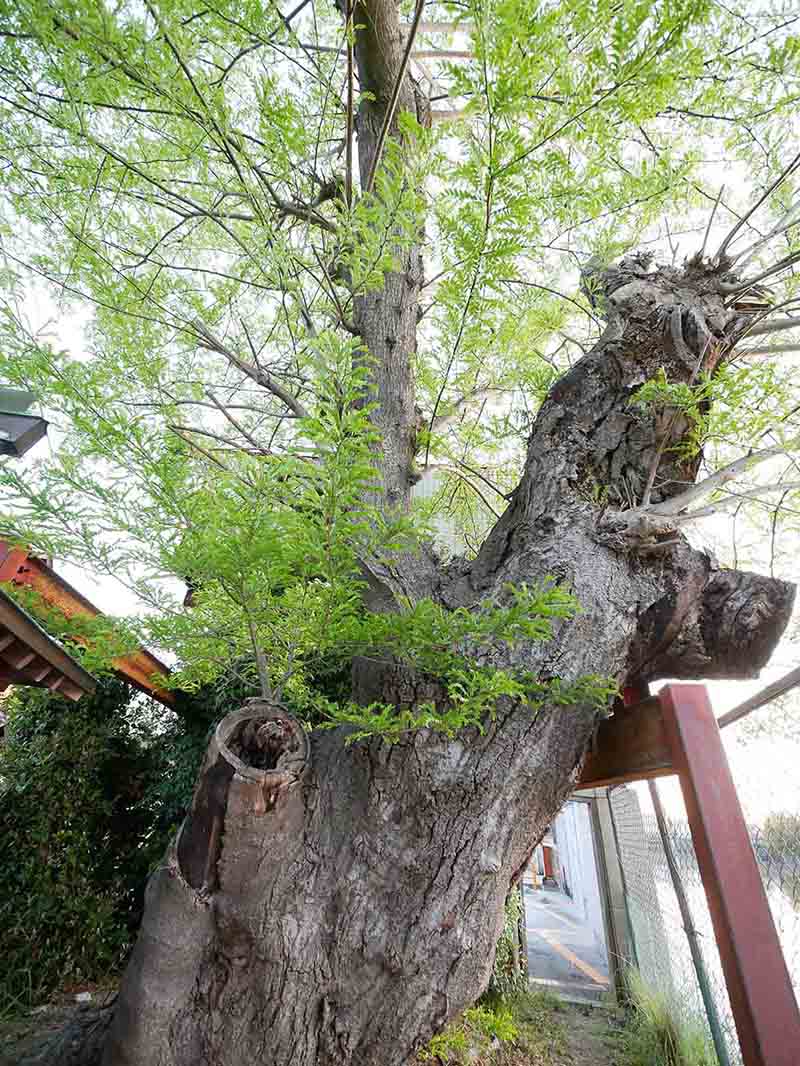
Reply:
x=76, y=838
x=90, y=795
x=523, y=1030
x=781, y=833
x=541, y=1036
x=472, y=1036
x=494, y=1024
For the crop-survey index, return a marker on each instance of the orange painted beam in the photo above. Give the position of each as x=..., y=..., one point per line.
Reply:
x=138, y=668
x=30, y=656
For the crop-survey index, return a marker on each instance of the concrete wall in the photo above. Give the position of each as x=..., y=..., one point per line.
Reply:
x=446, y=535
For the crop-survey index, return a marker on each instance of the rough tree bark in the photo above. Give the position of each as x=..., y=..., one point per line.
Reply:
x=331, y=904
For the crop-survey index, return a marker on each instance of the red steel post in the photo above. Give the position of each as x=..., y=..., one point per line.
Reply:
x=760, y=990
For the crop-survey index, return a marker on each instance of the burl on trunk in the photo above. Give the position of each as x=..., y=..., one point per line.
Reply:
x=332, y=904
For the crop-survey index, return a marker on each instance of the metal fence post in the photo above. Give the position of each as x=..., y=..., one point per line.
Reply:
x=619, y=931
x=624, y=880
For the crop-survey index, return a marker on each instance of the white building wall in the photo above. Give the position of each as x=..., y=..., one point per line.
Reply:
x=577, y=866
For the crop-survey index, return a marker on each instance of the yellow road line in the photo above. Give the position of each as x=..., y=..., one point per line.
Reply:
x=571, y=957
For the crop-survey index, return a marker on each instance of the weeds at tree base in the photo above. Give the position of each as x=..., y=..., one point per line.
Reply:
x=520, y=1031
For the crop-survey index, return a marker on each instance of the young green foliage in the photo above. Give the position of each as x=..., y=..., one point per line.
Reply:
x=454, y=648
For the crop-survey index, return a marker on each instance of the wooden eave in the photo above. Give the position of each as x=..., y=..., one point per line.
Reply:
x=30, y=656
x=138, y=669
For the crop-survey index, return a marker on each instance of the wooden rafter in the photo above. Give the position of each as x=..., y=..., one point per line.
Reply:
x=30, y=656
x=139, y=669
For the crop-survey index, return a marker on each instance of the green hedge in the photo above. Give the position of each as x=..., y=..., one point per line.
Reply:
x=77, y=836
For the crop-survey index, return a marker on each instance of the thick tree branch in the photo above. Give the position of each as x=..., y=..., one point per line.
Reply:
x=776, y=325
x=770, y=349
x=717, y=624
x=391, y=107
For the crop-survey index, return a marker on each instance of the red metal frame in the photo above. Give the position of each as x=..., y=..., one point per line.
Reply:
x=677, y=733
x=759, y=986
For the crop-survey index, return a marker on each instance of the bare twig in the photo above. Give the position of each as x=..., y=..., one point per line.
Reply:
x=747, y=283
x=470, y=470
x=262, y=377
x=786, y=222
x=180, y=431
x=448, y=114
x=466, y=481
x=235, y=422
x=716, y=480
x=553, y=292
x=231, y=445
x=775, y=326
x=711, y=221
x=286, y=21
x=770, y=349
x=442, y=53
x=792, y=166
x=293, y=208
x=734, y=498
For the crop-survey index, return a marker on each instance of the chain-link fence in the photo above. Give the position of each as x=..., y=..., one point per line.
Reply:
x=660, y=943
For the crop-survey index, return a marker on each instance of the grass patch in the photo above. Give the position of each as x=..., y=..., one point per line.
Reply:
x=521, y=1031
x=654, y=1034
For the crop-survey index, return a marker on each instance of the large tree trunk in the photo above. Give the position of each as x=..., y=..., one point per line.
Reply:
x=349, y=916
x=341, y=903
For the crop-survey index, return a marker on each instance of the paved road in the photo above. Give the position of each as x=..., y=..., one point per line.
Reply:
x=563, y=954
